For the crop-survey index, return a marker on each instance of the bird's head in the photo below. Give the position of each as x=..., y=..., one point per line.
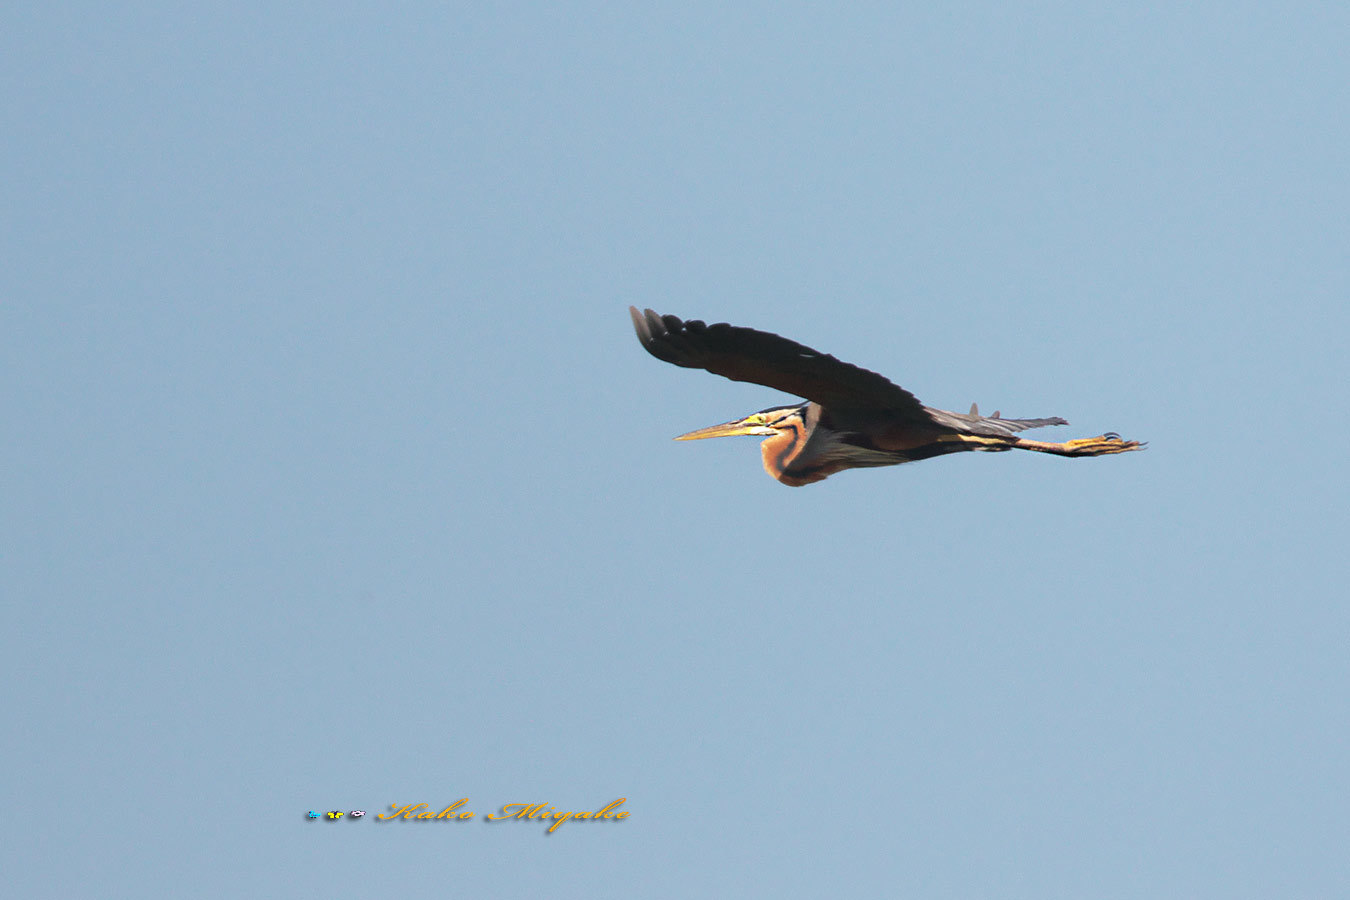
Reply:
x=765, y=423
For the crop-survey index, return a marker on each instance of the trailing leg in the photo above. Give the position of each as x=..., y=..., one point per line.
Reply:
x=1093, y=446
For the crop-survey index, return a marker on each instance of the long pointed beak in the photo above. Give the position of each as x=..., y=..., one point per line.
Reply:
x=729, y=429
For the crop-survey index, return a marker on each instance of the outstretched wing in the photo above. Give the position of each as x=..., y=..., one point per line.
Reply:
x=744, y=354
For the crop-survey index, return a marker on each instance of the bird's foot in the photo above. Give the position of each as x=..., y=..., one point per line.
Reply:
x=1101, y=445
x=1093, y=446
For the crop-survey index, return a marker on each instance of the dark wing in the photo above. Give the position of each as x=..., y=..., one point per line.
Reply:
x=743, y=354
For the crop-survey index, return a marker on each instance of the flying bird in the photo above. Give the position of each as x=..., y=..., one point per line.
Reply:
x=852, y=418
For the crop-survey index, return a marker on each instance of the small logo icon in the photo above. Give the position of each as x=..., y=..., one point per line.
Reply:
x=357, y=813
x=334, y=814
x=313, y=814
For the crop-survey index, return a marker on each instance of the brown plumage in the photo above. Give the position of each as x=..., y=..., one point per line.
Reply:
x=852, y=418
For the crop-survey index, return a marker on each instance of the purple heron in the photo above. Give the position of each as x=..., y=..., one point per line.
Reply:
x=851, y=418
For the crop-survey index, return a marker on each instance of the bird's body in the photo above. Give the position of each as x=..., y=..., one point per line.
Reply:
x=852, y=418
x=808, y=443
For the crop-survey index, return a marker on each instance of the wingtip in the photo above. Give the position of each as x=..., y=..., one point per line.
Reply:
x=647, y=324
x=660, y=335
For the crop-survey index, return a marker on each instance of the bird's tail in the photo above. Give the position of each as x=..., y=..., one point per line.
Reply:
x=992, y=426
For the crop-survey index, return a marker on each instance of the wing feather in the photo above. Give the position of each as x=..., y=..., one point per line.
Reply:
x=744, y=354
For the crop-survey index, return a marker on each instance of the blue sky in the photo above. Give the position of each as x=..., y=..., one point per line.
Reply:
x=335, y=477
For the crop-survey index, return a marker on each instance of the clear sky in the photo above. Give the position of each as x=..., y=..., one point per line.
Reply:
x=335, y=478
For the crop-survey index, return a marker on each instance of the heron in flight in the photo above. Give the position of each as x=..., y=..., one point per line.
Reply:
x=851, y=418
